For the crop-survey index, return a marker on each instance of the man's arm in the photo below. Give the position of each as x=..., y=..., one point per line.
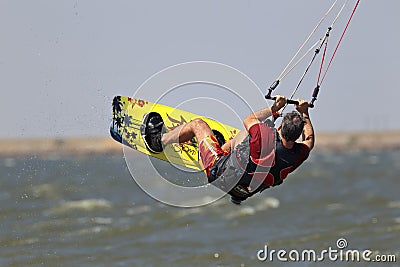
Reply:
x=308, y=130
x=262, y=114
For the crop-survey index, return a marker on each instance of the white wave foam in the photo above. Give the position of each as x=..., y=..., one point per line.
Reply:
x=187, y=211
x=373, y=160
x=394, y=204
x=138, y=210
x=45, y=191
x=86, y=231
x=102, y=220
x=9, y=162
x=262, y=204
x=83, y=205
x=335, y=206
x=241, y=212
x=267, y=203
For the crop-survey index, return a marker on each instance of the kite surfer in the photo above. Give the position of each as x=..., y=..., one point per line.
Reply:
x=259, y=152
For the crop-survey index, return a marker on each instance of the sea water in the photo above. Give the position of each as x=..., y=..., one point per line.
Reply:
x=88, y=211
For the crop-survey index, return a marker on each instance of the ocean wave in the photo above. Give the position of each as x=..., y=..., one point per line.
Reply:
x=204, y=201
x=85, y=231
x=267, y=203
x=102, y=220
x=262, y=205
x=9, y=162
x=187, y=211
x=241, y=212
x=138, y=210
x=335, y=206
x=26, y=241
x=394, y=204
x=45, y=191
x=82, y=205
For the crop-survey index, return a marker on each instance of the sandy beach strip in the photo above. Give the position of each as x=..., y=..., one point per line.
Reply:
x=341, y=141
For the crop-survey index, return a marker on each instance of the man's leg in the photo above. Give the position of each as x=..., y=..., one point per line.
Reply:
x=209, y=148
x=183, y=133
x=154, y=139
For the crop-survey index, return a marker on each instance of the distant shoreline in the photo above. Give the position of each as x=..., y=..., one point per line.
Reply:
x=341, y=141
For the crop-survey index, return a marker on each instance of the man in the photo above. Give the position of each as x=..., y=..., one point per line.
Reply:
x=257, y=158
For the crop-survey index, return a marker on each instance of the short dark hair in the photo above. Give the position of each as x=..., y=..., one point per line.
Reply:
x=292, y=126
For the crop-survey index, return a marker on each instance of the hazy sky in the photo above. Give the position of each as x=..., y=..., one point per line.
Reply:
x=61, y=62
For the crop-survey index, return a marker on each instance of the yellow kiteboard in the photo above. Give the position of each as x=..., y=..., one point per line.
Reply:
x=127, y=118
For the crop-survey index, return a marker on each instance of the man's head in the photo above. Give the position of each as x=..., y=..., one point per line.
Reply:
x=292, y=126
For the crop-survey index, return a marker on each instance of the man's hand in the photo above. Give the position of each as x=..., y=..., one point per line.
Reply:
x=308, y=131
x=302, y=107
x=280, y=102
x=262, y=114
